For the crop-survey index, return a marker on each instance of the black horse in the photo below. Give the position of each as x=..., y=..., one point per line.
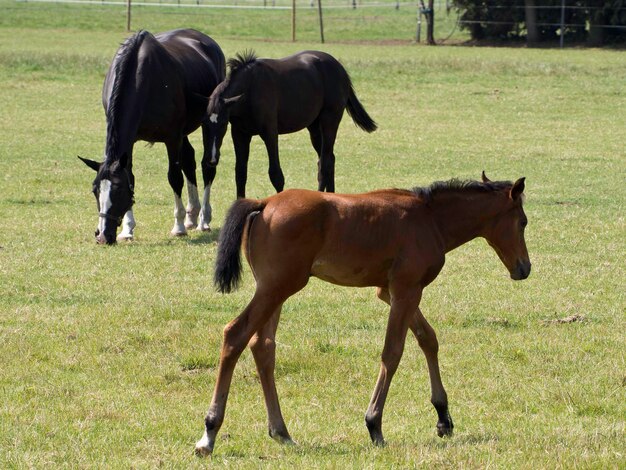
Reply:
x=268, y=97
x=156, y=90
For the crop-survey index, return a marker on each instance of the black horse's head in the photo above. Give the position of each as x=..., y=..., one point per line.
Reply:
x=216, y=121
x=113, y=189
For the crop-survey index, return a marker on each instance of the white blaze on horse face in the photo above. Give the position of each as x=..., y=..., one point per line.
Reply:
x=213, y=118
x=105, y=202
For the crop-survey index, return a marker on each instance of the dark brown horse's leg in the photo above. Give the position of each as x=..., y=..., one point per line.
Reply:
x=188, y=165
x=237, y=334
x=427, y=340
x=277, y=178
x=241, y=142
x=392, y=353
x=263, y=347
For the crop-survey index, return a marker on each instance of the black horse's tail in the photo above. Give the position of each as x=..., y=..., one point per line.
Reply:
x=358, y=114
x=228, y=264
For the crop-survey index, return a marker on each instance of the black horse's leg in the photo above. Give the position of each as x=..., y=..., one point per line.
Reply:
x=188, y=164
x=128, y=223
x=270, y=138
x=208, y=175
x=329, y=124
x=316, y=140
x=175, y=177
x=241, y=142
x=427, y=340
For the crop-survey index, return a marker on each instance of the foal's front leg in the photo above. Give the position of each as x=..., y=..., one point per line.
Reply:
x=275, y=171
x=175, y=178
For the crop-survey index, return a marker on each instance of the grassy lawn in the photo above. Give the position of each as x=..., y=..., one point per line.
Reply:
x=108, y=355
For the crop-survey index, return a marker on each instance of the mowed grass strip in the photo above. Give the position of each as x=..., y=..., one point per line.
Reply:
x=108, y=355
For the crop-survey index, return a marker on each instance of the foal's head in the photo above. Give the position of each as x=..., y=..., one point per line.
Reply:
x=224, y=97
x=505, y=232
x=113, y=189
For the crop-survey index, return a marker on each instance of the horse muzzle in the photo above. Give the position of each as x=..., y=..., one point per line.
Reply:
x=521, y=271
x=103, y=238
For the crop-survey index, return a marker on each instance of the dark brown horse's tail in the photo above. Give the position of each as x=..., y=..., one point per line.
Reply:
x=358, y=114
x=228, y=264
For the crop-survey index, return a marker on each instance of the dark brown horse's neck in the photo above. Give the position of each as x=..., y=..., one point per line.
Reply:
x=462, y=216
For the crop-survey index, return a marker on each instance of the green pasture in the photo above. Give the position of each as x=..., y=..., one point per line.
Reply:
x=108, y=355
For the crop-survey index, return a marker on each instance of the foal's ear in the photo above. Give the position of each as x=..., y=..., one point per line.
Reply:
x=517, y=189
x=484, y=177
x=90, y=163
x=228, y=102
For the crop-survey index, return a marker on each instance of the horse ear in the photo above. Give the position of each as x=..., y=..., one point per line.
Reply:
x=233, y=100
x=485, y=179
x=90, y=163
x=517, y=189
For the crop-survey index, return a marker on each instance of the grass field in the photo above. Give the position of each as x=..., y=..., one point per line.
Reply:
x=108, y=355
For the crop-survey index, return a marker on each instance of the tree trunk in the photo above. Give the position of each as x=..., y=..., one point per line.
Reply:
x=532, y=33
x=430, y=27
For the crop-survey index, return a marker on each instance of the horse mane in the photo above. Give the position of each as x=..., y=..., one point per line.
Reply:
x=124, y=59
x=241, y=61
x=455, y=185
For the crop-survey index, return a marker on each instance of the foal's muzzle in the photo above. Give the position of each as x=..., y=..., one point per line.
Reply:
x=521, y=271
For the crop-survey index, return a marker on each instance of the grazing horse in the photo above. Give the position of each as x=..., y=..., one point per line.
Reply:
x=156, y=90
x=394, y=240
x=268, y=97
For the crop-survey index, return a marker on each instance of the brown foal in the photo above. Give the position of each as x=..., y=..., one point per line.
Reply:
x=394, y=240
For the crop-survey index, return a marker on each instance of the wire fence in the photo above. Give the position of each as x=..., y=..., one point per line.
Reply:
x=448, y=18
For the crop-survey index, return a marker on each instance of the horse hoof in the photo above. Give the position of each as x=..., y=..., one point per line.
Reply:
x=125, y=237
x=177, y=232
x=203, y=447
x=203, y=228
x=443, y=430
x=190, y=225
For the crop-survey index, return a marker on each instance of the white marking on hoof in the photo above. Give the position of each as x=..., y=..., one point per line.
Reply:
x=178, y=231
x=125, y=237
x=203, y=447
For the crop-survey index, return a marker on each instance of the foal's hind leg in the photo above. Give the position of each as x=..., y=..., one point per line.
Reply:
x=427, y=340
x=263, y=346
x=392, y=353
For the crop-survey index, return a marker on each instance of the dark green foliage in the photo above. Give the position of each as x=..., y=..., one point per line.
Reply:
x=596, y=22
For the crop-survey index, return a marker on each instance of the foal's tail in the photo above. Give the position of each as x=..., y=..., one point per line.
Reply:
x=358, y=114
x=228, y=263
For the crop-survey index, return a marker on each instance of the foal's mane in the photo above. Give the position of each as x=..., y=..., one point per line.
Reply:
x=455, y=185
x=241, y=61
x=125, y=58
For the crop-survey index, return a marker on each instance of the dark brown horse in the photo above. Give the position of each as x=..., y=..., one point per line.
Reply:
x=394, y=240
x=268, y=97
x=156, y=90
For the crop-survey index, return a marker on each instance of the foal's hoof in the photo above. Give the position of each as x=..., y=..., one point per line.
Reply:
x=283, y=439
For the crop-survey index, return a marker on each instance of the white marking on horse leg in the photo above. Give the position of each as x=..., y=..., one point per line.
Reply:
x=193, y=206
x=213, y=118
x=214, y=153
x=206, y=213
x=179, y=217
x=128, y=226
x=105, y=204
